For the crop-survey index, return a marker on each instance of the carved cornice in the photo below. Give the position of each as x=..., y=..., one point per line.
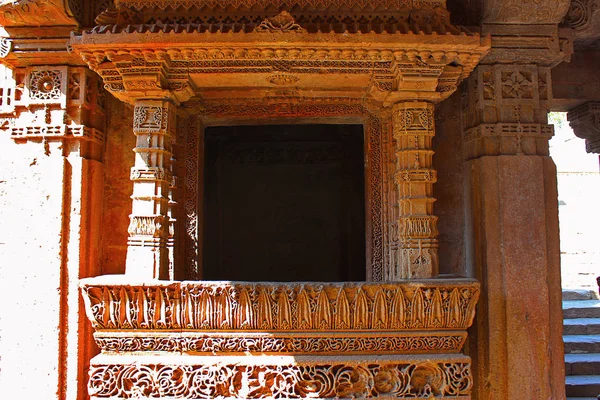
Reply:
x=398, y=66
x=585, y=122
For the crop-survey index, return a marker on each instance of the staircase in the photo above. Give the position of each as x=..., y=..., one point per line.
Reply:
x=581, y=313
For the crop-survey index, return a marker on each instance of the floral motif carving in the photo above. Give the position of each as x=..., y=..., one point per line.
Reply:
x=434, y=342
x=517, y=85
x=282, y=79
x=401, y=379
x=45, y=85
x=282, y=22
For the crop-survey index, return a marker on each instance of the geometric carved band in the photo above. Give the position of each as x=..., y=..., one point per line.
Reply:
x=280, y=342
x=507, y=139
x=197, y=377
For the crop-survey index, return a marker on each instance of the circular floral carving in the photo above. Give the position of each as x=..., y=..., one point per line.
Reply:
x=282, y=79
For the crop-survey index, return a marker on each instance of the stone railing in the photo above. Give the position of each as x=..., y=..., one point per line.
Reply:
x=251, y=340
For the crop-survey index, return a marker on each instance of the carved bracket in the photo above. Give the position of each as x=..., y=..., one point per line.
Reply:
x=585, y=121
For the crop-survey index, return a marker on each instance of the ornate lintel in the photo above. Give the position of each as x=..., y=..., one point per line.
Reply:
x=585, y=121
x=393, y=66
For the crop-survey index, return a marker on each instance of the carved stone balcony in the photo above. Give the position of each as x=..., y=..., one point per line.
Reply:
x=280, y=340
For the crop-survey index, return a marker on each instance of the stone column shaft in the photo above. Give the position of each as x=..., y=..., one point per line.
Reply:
x=516, y=342
x=154, y=127
x=413, y=131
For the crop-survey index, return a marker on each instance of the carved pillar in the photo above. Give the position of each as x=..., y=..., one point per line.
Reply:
x=585, y=122
x=517, y=339
x=413, y=131
x=154, y=127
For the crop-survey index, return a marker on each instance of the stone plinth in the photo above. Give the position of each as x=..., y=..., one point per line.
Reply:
x=280, y=340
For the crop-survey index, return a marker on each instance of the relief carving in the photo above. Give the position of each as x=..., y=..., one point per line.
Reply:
x=413, y=130
x=506, y=111
x=448, y=379
x=282, y=307
x=282, y=22
x=580, y=13
x=433, y=342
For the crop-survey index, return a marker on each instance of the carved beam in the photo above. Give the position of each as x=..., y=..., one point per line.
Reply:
x=585, y=122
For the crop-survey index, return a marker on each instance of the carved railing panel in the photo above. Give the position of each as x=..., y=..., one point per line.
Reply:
x=280, y=340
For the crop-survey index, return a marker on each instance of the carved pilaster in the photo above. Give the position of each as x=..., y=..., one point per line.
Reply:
x=154, y=127
x=506, y=111
x=585, y=121
x=413, y=131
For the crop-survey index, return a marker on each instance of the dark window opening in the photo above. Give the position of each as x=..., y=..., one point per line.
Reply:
x=284, y=203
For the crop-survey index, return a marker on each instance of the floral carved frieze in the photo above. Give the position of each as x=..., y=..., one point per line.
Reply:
x=282, y=307
x=393, y=377
x=199, y=342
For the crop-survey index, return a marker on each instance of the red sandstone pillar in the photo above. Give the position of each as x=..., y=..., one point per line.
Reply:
x=516, y=344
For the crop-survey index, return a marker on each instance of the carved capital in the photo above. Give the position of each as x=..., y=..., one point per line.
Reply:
x=585, y=121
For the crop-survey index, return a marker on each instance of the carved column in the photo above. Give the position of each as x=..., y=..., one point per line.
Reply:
x=154, y=127
x=585, y=121
x=517, y=339
x=413, y=131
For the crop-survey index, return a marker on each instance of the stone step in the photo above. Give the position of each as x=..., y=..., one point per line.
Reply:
x=583, y=385
x=581, y=326
x=582, y=398
x=580, y=294
x=582, y=364
x=579, y=344
x=581, y=309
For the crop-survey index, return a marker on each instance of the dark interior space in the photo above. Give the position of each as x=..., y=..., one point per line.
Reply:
x=284, y=203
